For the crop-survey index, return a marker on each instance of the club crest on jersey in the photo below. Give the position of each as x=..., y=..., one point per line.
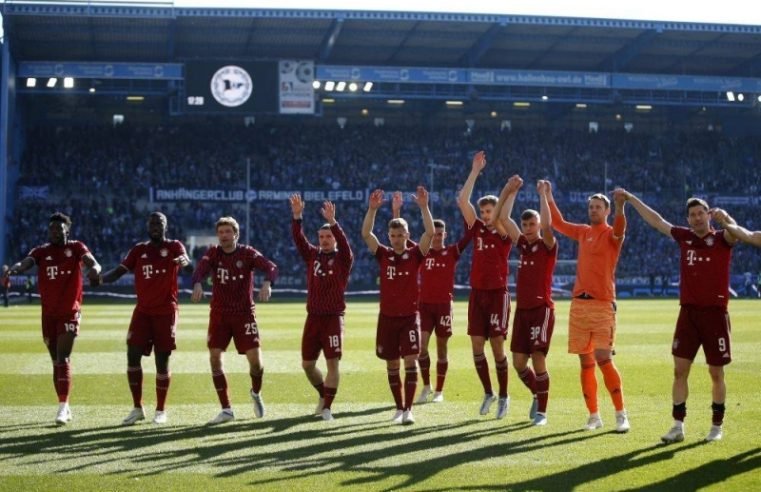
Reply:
x=239, y=264
x=330, y=262
x=67, y=252
x=534, y=248
x=709, y=241
x=144, y=255
x=405, y=256
x=164, y=252
x=444, y=253
x=48, y=258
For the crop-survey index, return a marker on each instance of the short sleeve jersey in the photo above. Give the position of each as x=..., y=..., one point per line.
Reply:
x=155, y=275
x=704, y=267
x=535, y=269
x=59, y=275
x=490, y=252
x=399, y=280
x=437, y=273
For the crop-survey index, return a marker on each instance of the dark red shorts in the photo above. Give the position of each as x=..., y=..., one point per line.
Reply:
x=397, y=336
x=532, y=330
x=241, y=328
x=488, y=312
x=54, y=326
x=152, y=330
x=436, y=317
x=322, y=333
x=706, y=326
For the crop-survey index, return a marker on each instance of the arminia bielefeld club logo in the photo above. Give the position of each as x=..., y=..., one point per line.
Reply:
x=231, y=86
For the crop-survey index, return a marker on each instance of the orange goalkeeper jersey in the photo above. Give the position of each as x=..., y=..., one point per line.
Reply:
x=599, y=249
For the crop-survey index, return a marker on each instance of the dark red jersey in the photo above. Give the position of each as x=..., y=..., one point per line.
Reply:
x=535, y=269
x=232, y=277
x=490, y=252
x=704, y=268
x=59, y=275
x=155, y=275
x=327, y=273
x=398, y=280
x=437, y=272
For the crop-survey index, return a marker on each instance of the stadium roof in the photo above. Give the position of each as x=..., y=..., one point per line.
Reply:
x=83, y=31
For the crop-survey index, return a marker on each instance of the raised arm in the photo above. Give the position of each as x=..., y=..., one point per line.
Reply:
x=397, y=200
x=374, y=203
x=728, y=223
x=421, y=198
x=568, y=229
x=744, y=235
x=463, y=200
x=619, y=221
x=297, y=229
x=649, y=215
x=545, y=219
x=328, y=211
x=504, y=208
x=297, y=206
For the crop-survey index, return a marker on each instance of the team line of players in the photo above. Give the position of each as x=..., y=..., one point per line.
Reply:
x=416, y=295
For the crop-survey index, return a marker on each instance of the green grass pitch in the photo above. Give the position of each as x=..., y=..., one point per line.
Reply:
x=450, y=447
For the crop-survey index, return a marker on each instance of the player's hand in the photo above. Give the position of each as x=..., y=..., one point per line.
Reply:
x=719, y=215
x=541, y=188
x=397, y=200
x=197, y=294
x=376, y=199
x=328, y=212
x=620, y=196
x=265, y=292
x=297, y=205
x=514, y=183
x=94, y=277
x=182, y=260
x=479, y=161
x=421, y=197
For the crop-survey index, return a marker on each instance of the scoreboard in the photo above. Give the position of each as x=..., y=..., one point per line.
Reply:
x=283, y=86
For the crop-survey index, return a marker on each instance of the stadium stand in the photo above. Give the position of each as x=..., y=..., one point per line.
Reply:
x=106, y=175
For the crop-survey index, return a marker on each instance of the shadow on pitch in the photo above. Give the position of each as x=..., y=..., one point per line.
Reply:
x=82, y=449
x=310, y=451
x=710, y=473
x=448, y=446
x=705, y=475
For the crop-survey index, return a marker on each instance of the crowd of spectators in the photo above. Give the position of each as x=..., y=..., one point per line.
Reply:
x=102, y=177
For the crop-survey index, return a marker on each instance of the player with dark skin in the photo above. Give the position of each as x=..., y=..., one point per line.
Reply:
x=58, y=235
x=157, y=228
x=60, y=285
